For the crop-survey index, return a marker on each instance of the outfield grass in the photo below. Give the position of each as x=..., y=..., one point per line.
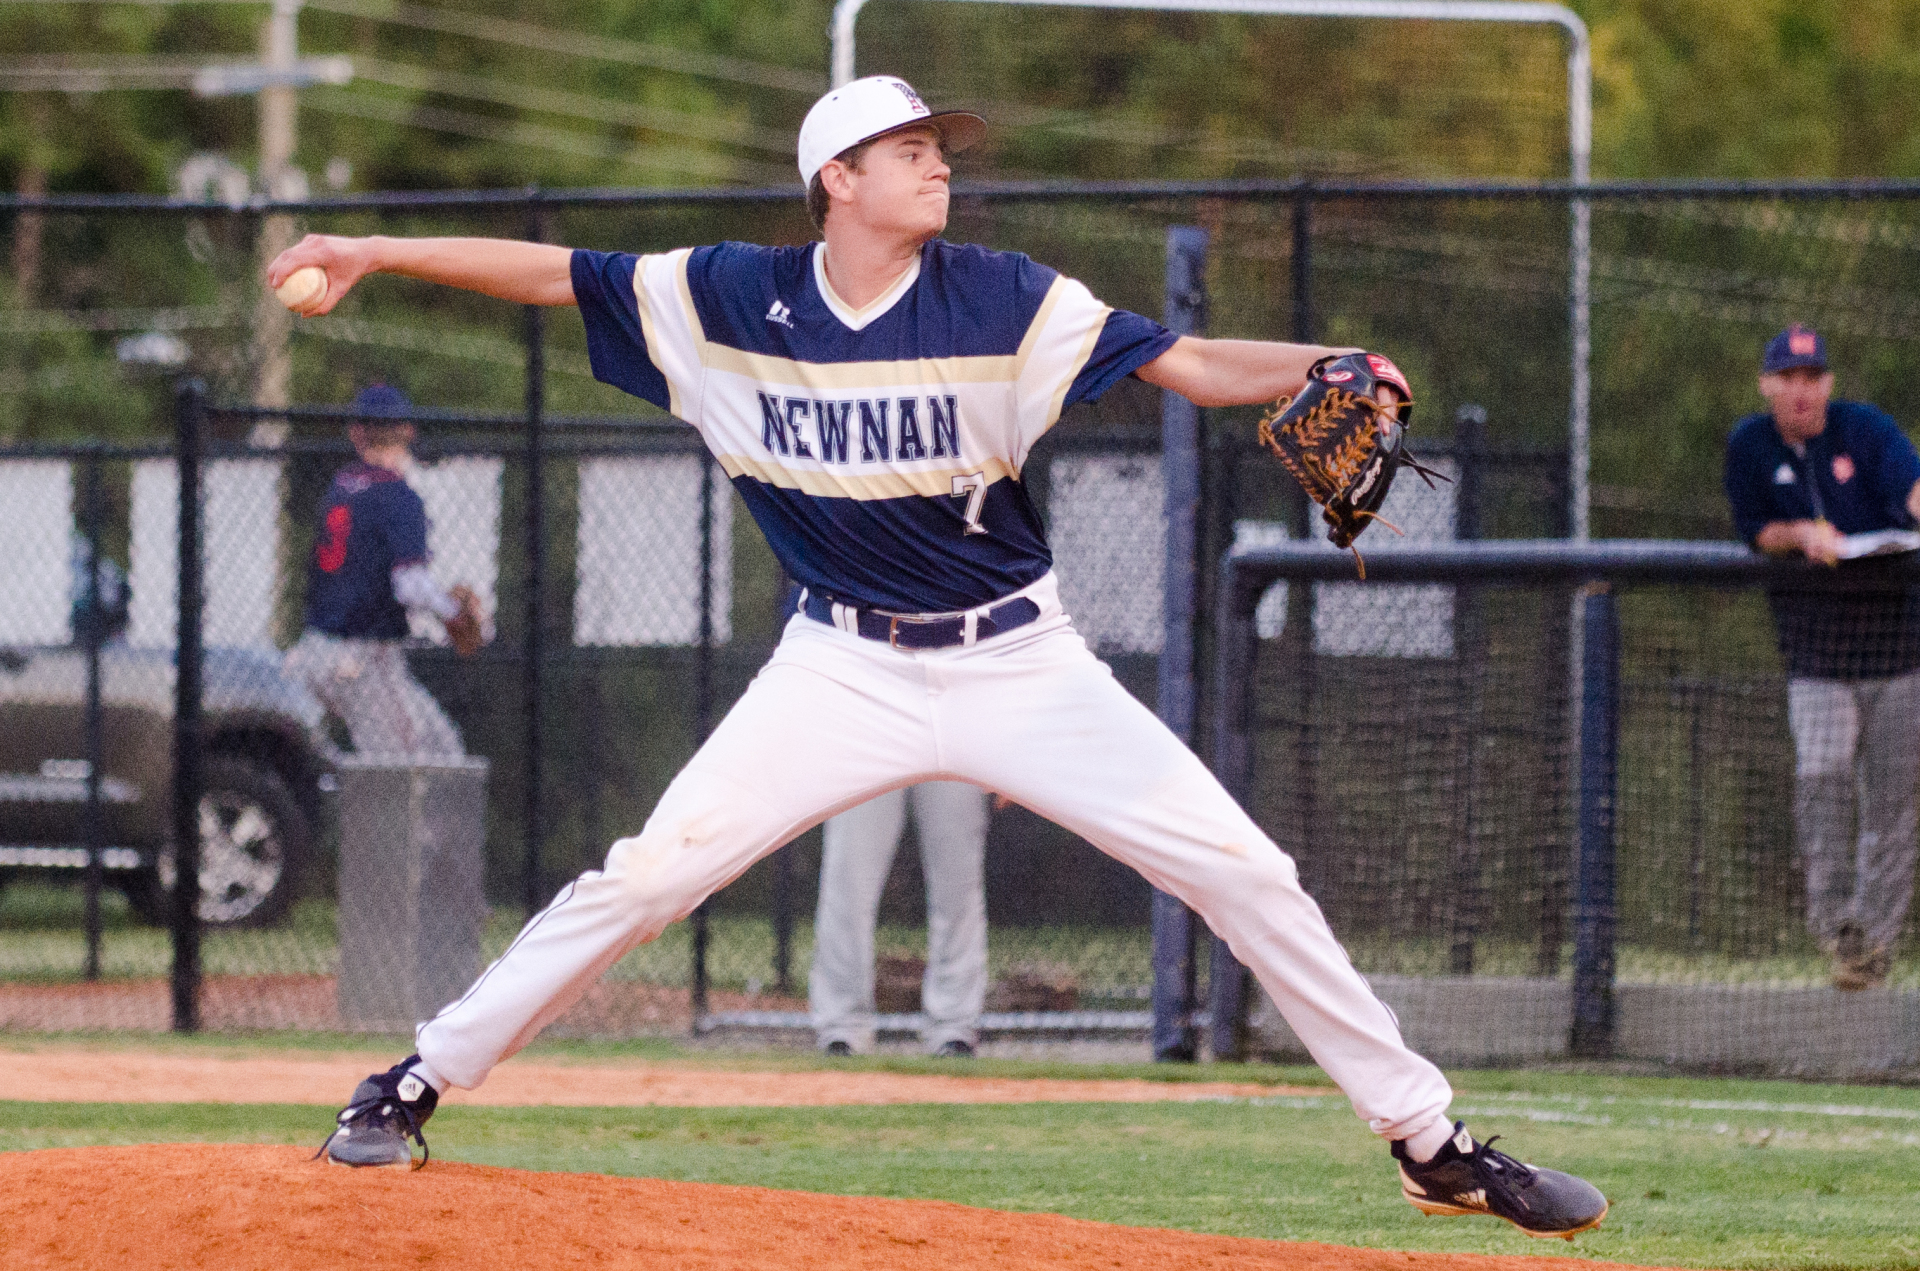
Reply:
x=1701, y=1173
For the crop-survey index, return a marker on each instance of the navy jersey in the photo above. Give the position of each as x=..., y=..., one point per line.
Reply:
x=1856, y=474
x=878, y=449
x=370, y=521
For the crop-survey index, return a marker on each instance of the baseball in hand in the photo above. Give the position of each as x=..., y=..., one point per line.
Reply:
x=304, y=288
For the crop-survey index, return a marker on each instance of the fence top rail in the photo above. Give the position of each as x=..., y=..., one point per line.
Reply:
x=477, y=421
x=429, y=449
x=1250, y=571
x=562, y=437
x=989, y=191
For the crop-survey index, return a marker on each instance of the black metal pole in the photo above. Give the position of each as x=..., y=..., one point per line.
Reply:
x=1175, y=1038
x=703, y=719
x=1303, y=265
x=189, y=418
x=1695, y=694
x=1299, y=627
x=1236, y=645
x=91, y=634
x=1593, y=902
x=532, y=672
x=1467, y=904
x=782, y=859
x=1555, y=731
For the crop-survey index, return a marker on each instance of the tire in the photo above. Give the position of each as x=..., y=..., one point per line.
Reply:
x=255, y=842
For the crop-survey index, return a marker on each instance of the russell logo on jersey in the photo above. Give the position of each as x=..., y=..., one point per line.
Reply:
x=781, y=314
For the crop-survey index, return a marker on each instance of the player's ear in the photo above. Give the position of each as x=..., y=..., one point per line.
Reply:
x=836, y=178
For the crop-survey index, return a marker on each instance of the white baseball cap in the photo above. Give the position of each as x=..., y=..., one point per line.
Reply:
x=867, y=108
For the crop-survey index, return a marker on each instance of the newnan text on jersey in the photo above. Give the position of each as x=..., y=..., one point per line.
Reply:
x=877, y=430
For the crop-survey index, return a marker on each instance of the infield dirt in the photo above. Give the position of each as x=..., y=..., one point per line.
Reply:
x=61, y=1074
x=224, y=1208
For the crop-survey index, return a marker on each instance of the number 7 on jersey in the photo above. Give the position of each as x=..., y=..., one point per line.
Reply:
x=973, y=487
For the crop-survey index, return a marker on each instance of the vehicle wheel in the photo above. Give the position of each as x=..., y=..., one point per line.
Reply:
x=254, y=845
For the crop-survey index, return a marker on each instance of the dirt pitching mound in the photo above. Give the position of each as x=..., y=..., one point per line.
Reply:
x=248, y=1208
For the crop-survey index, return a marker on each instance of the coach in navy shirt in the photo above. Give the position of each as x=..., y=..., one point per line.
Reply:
x=1801, y=477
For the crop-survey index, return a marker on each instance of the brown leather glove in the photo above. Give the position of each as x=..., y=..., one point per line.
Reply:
x=466, y=630
x=1343, y=442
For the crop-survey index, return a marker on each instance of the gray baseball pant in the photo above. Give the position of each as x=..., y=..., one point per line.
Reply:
x=367, y=684
x=1857, y=761
x=860, y=843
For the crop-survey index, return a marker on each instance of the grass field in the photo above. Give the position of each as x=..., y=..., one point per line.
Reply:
x=1701, y=1173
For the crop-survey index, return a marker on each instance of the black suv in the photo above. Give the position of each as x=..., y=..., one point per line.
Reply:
x=268, y=762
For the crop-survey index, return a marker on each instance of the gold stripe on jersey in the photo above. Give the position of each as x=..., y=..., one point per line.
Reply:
x=930, y=373
x=766, y=368
x=1059, y=400
x=1043, y=316
x=654, y=333
x=705, y=378
x=930, y=483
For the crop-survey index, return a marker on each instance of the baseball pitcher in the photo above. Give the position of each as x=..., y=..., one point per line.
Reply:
x=874, y=398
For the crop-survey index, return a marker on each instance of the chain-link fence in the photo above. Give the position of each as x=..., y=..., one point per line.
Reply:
x=1681, y=836
x=633, y=599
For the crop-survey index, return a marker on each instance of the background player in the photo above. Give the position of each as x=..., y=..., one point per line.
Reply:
x=873, y=400
x=857, y=852
x=1800, y=477
x=369, y=567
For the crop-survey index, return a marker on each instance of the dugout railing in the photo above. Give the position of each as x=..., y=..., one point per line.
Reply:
x=1569, y=759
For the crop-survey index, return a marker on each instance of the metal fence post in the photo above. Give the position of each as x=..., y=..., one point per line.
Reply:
x=1235, y=645
x=534, y=643
x=189, y=420
x=1593, y=904
x=1467, y=904
x=1175, y=1038
x=92, y=633
x=1299, y=643
x=1303, y=264
x=703, y=719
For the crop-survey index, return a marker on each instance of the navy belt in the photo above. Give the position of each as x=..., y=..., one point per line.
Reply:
x=920, y=631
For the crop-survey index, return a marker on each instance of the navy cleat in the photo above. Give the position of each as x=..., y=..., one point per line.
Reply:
x=1466, y=1177
x=387, y=1109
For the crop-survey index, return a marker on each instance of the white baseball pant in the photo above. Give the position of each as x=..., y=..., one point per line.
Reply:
x=1857, y=758
x=367, y=684
x=856, y=856
x=834, y=719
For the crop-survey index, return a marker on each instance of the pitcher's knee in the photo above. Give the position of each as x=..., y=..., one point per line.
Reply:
x=1256, y=861
x=645, y=865
x=699, y=836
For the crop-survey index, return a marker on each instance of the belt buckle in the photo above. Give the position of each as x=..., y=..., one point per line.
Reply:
x=911, y=619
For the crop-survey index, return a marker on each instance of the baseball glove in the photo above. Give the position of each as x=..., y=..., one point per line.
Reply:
x=466, y=630
x=1342, y=445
